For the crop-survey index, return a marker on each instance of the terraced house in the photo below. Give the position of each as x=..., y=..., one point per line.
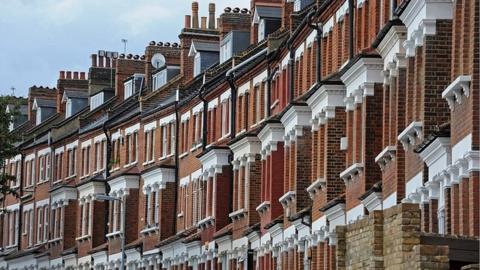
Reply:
x=288, y=135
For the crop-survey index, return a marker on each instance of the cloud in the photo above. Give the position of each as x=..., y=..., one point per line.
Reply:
x=41, y=37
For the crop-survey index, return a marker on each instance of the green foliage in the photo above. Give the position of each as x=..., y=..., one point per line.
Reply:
x=7, y=141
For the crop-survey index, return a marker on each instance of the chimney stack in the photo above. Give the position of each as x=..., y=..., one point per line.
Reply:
x=188, y=21
x=100, y=61
x=211, y=16
x=94, y=60
x=204, y=23
x=195, y=15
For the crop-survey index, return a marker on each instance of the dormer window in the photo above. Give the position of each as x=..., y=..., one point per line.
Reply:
x=44, y=108
x=161, y=78
x=299, y=5
x=133, y=85
x=233, y=43
x=75, y=101
x=205, y=55
x=99, y=98
x=269, y=19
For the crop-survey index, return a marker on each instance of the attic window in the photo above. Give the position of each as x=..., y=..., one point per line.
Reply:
x=96, y=100
x=197, y=64
x=261, y=30
x=133, y=85
x=159, y=79
x=226, y=51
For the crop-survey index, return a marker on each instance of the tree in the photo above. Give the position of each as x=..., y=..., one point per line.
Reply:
x=7, y=142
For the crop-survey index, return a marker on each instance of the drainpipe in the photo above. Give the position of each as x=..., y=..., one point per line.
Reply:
x=106, y=173
x=231, y=81
x=318, y=27
x=177, y=128
x=291, y=74
x=270, y=74
x=351, y=10
x=20, y=208
x=204, y=114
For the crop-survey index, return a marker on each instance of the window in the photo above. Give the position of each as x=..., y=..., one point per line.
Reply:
x=261, y=30
x=197, y=64
x=18, y=173
x=47, y=167
x=39, y=225
x=152, y=207
x=45, y=223
x=159, y=79
x=225, y=117
x=10, y=220
x=59, y=166
x=71, y=162
x=132, y=144
x=197, y=128
x=116, y=153
x=164, y=141
x=85, y=210
x=128, y=89
x=226, y=51
x=41, y=164
x=56, y=219
x=114, y=216
x=96, y=100
x=172, y=138
x=30, y=228
x=149, y=145
x=86, y=161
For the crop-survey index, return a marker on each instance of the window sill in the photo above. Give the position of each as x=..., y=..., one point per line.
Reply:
x=148, y=162
x=83, y=238
x=113, y=234
x=130, y=164
x=183, y=155
x=179, y=215
x=55, y=240
x=71, y=177
x=150, y=230
x=11, y=246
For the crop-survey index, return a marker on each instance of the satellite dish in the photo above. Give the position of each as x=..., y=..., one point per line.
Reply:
x=158, y=60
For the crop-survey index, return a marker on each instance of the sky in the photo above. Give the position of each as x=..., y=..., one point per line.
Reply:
x=41, y=37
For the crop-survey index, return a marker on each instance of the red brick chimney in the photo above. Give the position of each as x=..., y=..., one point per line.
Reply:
x=192, y=31
x=72, y=80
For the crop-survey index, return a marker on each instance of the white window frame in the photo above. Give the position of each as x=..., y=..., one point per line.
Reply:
x=197, y=64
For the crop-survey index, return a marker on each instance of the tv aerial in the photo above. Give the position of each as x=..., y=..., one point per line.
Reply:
x=158, y=60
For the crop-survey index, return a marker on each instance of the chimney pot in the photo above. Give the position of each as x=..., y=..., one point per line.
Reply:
x=151, y=43
x=143, y=57
x=69, y=75
x=211, y=16
x=122, y=55
x=167, y=44
x=82, y=75
x=160, y=44
x=227, y=9
x=188, y=21
x=108, y=61
x=100, y=61
x=129, y=56
x=195, y=15
x=236, y=10
x=204, y=23
x=136, y=57
x=75, y=75
x=62, y=75
x=244, y=11
x=94, y=60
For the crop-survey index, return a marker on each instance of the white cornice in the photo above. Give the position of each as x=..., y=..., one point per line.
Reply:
x=270, y=135
x=157, y=179
x=323, y=103
x=214, y=160
x=408, y=137
x=352, y=172
x=420, y=18
x=438, y=148
x=246, y=147
x=360, y=79
x=294, y=120
x=457, y=90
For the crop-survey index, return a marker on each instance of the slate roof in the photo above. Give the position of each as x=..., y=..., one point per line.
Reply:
x=201, y=46
x=76, y=93
x=268, y=12
x=49, y=103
